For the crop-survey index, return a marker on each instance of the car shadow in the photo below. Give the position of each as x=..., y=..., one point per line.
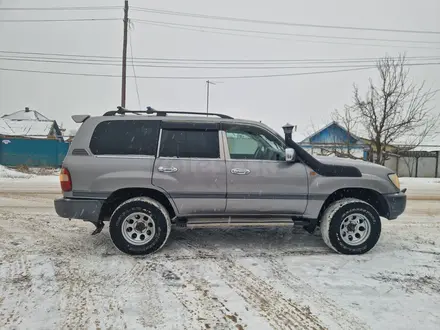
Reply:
x=199, y=243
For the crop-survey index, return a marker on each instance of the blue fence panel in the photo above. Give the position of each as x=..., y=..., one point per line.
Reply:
x=32, y=152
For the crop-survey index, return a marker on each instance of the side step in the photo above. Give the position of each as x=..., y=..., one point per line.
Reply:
x=236, y=222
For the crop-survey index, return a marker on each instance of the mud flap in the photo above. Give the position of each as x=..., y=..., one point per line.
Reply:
x=99, y=227
x=311, y=226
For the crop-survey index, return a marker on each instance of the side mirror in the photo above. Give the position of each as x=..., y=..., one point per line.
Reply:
x=290, y=155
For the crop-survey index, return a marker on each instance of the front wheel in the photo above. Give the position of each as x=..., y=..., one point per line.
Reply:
x=350, y=226
x=139, y=226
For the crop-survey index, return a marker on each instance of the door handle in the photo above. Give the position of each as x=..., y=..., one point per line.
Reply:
x=240, y=171
x=167, y=169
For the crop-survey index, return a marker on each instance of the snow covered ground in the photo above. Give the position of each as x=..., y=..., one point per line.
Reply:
x=54, y=275
x=422, y=188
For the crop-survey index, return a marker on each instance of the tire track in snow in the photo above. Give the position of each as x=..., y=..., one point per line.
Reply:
x=30, y=293
x=194, y=292
x=44, y=294
x=16, y=282
x=138, y=283
x=74, y=297
x=342, y=319
x=281, y=313
x=87, y=301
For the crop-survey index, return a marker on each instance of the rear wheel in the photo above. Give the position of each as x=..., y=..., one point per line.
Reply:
x=350, y=226
x=140, y=226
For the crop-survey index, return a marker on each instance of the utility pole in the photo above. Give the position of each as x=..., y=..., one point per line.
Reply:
x=207, y=96
x=209, y=82
x=124, y=56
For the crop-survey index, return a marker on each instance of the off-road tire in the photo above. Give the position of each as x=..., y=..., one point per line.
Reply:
x=159, y=216
x=332, y=219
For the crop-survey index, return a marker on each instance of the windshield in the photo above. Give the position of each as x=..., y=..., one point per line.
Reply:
x=272, y=143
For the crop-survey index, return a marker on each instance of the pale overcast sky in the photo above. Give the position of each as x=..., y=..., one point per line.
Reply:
x=296, y=99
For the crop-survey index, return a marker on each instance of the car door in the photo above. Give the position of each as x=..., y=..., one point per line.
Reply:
x=259, y=180
x=191, y=167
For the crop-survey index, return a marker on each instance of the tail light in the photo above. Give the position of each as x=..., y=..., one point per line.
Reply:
x=65, y=180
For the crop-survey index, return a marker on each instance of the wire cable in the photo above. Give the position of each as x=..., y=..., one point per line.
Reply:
x=132, y=65
x=221, y=67
x=268, y=22
x=285, y=33
x=58, y=8
x=185, y=77
x=227, y=61
x=173, y=25
x=57, y=20
x=206, y=77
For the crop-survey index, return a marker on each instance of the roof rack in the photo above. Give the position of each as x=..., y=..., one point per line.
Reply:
x=150, y=111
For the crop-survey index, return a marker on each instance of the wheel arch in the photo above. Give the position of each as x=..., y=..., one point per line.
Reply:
x=370, y=196
x=121, y=195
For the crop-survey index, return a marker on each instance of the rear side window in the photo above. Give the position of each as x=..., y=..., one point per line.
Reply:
x=189, y=144
x=125, y=137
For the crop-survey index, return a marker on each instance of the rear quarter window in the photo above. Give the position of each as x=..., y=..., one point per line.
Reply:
x=189, y=144
x=125, y=137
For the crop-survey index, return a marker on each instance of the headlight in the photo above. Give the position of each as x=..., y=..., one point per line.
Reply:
x=395, y=180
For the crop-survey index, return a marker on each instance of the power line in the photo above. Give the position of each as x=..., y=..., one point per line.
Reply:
x=181, y=60
x=58, y=8
x=284, y=33
x=57, y=20
x=186, y=77
x=206, y=77
x=134, y=70
x=169, y=25
x=268, y=22
x=222, y=67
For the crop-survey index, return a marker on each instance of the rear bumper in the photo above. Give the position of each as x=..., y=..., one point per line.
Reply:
x=396, y=204
x=83, y=209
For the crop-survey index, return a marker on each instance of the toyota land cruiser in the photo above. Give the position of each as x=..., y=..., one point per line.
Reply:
x=144, y=171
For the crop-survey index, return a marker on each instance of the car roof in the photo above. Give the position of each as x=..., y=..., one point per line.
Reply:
x=182, y=118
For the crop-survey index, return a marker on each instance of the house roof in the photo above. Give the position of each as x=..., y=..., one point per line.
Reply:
x=26, y=114
x=333, y=123
x=29, y=128
x=5, y=129
x=426, y=148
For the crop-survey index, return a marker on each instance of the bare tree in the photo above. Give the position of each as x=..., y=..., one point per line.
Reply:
x=348, y=119
x=395, y=108
x=410, y=163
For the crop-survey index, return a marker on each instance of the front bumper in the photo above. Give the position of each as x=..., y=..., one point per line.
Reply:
x=396, y=204
x=83, y=209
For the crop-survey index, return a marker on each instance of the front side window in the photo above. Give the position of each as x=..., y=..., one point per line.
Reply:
x=125, y=137
x=253, y=143
x=189, y=144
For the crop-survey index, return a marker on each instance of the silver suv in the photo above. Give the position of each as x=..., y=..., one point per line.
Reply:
x=144, y=171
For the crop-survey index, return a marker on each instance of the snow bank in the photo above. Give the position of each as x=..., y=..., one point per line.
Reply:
x=428, y=187
x=13, y=177
x=6, y=173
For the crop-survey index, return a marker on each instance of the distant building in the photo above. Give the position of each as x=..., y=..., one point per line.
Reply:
x=30, y=124
x=335, y=140
x=29, y=138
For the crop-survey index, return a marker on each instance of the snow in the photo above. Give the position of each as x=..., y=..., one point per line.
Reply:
x=26, y=115
x=29, y=128
x=5, y=129
x=6, y=173
x=54, y=274
x=421, y=188
x=12, y=181
x=426, y=148
x=26, y=123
